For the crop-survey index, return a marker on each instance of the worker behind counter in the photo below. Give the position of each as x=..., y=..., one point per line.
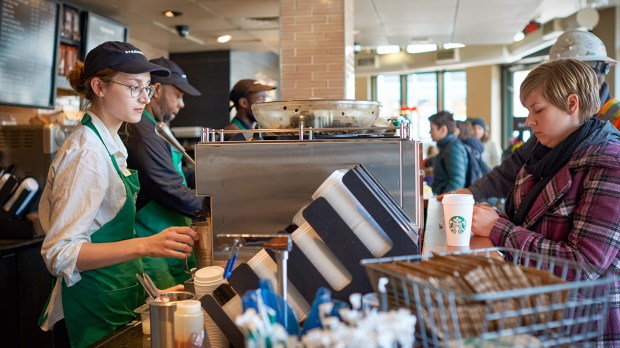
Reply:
x=165, y=198
x=243, y=95
x=87, y=208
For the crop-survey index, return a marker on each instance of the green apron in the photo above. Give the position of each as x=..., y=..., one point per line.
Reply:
x=152, y=219
x=104, y=299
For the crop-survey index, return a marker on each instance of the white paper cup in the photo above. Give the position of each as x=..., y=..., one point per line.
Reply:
x=314, y=248
x=354, y=214
x=458, y=210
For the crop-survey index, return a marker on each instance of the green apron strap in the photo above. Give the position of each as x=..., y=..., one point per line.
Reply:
x=104, y=299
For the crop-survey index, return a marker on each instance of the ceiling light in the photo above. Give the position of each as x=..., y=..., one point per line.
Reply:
x=224, y=38
x=171, y=13
x=518, y=36
x=421, y=48
x=451, y=45
x=388, y=49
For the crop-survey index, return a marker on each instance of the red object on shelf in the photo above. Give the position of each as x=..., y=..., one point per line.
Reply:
x=531, y=27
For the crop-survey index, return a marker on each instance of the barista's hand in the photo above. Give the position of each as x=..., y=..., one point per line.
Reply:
x=174, y=241
x=459, y=191
x=483, y=220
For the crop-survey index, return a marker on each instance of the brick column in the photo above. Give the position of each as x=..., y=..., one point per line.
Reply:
x=316, y=49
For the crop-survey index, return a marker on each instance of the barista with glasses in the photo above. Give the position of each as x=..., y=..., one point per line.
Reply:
x=87, y=208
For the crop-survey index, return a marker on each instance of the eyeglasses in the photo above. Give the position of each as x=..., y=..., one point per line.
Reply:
x=136, y=90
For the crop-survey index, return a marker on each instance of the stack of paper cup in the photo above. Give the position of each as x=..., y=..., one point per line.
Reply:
x=354, y=214
x=315, y=249
x=206, y=280
x=458, y=211
x=266, y=268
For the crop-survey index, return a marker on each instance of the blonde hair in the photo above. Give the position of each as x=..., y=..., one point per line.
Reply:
x=81, y=85
x=562, y=77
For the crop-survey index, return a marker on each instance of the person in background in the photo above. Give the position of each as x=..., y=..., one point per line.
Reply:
x=492, y=154
x=476, y=167
x=565, y=201
x=165, y=199
x=87, y=208
x=427, y=163
x=581, y=45
x=450, y=165
x=243, y=95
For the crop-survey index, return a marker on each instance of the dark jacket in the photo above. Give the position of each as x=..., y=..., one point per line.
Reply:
x=159, y=181
x=450, y=166
x=476, y=167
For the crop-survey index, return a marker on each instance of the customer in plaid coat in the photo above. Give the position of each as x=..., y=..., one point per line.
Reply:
x=566, y=199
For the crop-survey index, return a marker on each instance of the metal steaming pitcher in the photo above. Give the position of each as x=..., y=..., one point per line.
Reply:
x=203, y=249
x=162, y=317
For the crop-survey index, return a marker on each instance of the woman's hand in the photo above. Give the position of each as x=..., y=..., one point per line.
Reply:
x=462, y=191
x=483, y=220
x=174, y=241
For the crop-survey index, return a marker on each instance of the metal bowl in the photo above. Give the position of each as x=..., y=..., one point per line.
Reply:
x=317, y=113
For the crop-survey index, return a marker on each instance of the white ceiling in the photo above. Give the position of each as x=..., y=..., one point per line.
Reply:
x=253, y=24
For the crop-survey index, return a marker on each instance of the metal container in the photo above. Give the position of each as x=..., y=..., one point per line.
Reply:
x=162, y=317
x=317, y=113
x=203, y=249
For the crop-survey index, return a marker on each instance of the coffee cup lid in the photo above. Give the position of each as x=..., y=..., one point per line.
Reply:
x=209, y=274
x=455, y=198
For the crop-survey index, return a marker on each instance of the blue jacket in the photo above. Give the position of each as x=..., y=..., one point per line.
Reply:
x=450, y=166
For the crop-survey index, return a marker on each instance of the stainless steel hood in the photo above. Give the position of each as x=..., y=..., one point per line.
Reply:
x=258, y=186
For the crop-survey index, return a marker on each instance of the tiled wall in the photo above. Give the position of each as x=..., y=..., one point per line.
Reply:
x=316, y=49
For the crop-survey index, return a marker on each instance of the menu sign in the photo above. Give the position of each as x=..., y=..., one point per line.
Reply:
x=100, y=29
x=27, y=52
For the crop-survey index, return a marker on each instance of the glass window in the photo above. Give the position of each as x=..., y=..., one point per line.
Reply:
x=455, y=93
x=422, y=94
x=388, y=94
x=518, y=111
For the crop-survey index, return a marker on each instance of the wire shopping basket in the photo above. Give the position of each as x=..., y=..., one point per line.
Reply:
x=559, y=312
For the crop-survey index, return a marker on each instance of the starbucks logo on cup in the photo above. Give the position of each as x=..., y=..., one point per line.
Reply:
x=457, y=225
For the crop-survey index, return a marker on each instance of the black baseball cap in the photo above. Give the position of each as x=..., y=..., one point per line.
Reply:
x=244, y=87
x=120, y=56
x=177, y=76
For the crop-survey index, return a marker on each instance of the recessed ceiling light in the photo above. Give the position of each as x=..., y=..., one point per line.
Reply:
x=224, y=38
x=388, y=49
x=172, y=13
x=451, y=45
x=421, y=48
x=518, y=36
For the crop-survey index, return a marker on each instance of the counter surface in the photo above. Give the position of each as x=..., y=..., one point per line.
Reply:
x=435, y=235
x=12, y=245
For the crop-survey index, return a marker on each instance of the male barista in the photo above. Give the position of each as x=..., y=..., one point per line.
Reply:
x=243, y=95
x=164, y=199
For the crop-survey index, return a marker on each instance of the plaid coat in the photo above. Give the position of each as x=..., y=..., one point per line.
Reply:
x=576, y=217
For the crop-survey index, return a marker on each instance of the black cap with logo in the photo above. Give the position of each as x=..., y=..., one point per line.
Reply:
x=120, y=56
x=177, y=76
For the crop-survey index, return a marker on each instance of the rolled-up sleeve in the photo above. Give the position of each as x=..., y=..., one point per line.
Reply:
x=69, y=205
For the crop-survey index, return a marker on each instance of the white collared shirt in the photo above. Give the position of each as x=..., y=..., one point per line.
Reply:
x=82, y=193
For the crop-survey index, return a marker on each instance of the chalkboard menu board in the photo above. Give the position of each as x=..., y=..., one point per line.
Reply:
x=28, y=41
